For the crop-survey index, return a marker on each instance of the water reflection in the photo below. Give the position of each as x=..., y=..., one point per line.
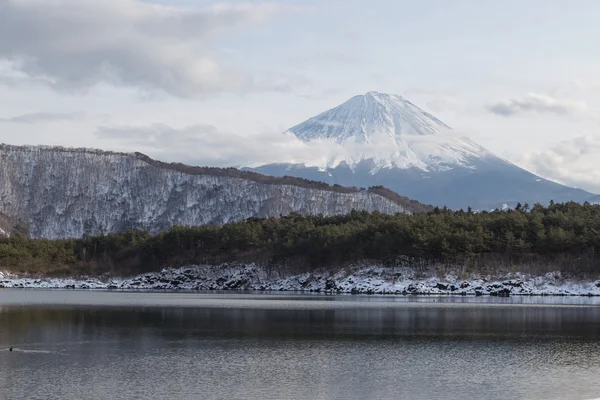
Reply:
x=433, y=351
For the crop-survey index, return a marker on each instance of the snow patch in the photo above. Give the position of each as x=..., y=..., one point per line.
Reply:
x=357, y=280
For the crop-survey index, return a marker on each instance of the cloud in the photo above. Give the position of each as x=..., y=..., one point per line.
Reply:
x=534, y=103
x=31, y=118
x=572, y=162
x=76, y=44
x=204, y=144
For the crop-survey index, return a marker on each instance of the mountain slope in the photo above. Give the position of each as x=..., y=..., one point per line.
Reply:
x=58, y=193
x=391, y=131
x=594, y=199
x=363, y=117
x=386, y=140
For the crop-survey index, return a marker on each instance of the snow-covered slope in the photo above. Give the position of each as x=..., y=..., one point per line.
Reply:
x=383, y=139
x=57, y=193
x=391, y=131
x=364, y=116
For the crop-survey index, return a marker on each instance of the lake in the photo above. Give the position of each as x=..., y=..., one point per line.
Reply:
x=124, y=345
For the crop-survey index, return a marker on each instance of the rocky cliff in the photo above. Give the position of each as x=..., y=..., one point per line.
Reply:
x=54, y=192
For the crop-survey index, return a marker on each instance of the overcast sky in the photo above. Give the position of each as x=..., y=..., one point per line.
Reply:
x=217, y=83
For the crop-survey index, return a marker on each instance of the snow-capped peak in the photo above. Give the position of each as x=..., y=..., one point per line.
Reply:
x=391, y=131
x=365, y=116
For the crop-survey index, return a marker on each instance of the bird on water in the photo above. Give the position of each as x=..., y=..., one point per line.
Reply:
x=11, y=348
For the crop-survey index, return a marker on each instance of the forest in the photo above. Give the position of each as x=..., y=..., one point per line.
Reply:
x=409, y=204
x=562, y=237
x=404, y=201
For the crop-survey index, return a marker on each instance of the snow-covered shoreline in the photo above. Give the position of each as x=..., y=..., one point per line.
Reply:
x=358, y=280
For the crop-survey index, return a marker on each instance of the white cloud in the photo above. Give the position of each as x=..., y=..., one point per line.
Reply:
x=204, y=144
x=534, y=103
x=572, y=162
x=76, y=44
x=31, y=118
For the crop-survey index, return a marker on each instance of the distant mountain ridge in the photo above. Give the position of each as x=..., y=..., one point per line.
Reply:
x=55, y=192
x=412, y=206
x=389, y=141
x=594, y=199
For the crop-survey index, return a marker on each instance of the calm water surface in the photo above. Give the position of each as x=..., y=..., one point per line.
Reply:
x=106, y=345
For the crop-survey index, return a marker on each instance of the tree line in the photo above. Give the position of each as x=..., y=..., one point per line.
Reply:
x=562, y=236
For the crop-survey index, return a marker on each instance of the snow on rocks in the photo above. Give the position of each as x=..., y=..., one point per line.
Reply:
x=75, y=181
x=356, y=280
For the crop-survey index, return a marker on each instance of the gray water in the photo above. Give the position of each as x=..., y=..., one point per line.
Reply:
x=106, y=345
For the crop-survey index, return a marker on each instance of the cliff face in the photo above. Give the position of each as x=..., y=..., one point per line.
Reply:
x=61, y=193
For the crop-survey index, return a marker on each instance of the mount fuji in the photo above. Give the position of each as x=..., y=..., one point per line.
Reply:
x=383, y=139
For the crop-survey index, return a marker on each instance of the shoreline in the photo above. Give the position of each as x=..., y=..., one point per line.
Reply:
x=357, y=280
